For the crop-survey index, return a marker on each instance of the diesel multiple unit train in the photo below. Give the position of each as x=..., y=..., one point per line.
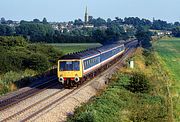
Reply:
x=77, y=67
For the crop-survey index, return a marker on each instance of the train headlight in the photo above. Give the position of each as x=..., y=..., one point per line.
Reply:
x=61, y=79
x=76, y=79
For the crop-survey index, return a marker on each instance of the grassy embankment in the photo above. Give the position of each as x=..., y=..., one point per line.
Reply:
x=169, y=53
x=133, y=95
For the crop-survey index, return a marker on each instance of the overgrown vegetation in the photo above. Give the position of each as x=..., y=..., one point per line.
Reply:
x=20, y=59
x=133, y=95
x=138, y=83
x=16, y=54
x=149, y=56
x=12, y=80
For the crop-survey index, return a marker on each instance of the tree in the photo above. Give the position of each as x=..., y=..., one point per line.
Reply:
x=3, y=21
x=37, y=31
x=109, y=21
x=118, y=20
x=161, y=25
x=98, y=22
x=78, y=22
x=2, y=30
x=176, y=31
x=12, y=41
x=144, y=37
x=44, y=21
x=38, y=62
x=9, y=22
x=6, y=30
x=36, y=20
x=177, y=24
x=99, y=36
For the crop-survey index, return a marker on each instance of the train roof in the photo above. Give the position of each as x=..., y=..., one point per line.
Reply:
x=89, y=52
x=108, y=47
x=81, y=54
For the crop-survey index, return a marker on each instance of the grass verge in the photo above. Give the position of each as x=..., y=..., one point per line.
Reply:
x=10, y=81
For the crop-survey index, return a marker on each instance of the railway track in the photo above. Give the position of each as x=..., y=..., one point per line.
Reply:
x=26, y=93
x=55, y=98
x=30, y=107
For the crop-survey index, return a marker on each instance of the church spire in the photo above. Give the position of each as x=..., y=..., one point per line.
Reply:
x=86, y=16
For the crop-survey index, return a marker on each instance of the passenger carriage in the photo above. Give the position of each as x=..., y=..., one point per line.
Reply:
x=77, y=67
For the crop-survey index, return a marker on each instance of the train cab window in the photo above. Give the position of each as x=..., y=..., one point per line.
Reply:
x=76, y=66
x=69, y=66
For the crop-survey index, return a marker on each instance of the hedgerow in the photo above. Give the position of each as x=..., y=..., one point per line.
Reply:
x=18, y=56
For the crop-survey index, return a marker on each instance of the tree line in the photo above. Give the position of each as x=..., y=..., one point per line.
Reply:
x=104, y=31
x=17, y=54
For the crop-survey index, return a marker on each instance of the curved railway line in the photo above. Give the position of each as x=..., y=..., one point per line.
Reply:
x=28, y=113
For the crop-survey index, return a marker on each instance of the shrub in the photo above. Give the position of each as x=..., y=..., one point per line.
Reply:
x=38, y=62
x=4, y=90
x=12, y=61
x=86, y=116
x=149, y=57
x=17, y=61
x=12, y=80
x=49, y=51
x=138, y=83
x=11, y=41
x=11, y=77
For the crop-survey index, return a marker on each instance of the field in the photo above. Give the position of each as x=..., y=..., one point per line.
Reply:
x=169, y=51
x=74, y=47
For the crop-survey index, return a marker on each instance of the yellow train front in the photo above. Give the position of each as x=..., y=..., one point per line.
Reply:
x=69, y=71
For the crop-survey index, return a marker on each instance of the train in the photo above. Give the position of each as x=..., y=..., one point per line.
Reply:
x=77, y=67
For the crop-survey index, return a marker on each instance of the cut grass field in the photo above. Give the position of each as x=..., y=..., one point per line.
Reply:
x=169, y=51
x=74, y=47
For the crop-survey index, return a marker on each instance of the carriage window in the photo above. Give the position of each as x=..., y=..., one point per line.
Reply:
x=69, y=66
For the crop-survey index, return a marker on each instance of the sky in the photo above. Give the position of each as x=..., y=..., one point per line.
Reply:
x=67, y=10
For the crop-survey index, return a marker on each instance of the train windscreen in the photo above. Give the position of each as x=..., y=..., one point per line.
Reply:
x=69, y=66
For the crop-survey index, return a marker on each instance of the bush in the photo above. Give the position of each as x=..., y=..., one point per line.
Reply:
x=138, y=83
x=11, y=61
x=3, y=89
x=20, y=61
x=11, y=77
x=49, y=51
x=86, y=116
x=10, y=81
x=11, y=41
x=149, y=57
x=38, y=62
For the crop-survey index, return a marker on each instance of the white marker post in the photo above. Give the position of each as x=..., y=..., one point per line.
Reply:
x=131, y=64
